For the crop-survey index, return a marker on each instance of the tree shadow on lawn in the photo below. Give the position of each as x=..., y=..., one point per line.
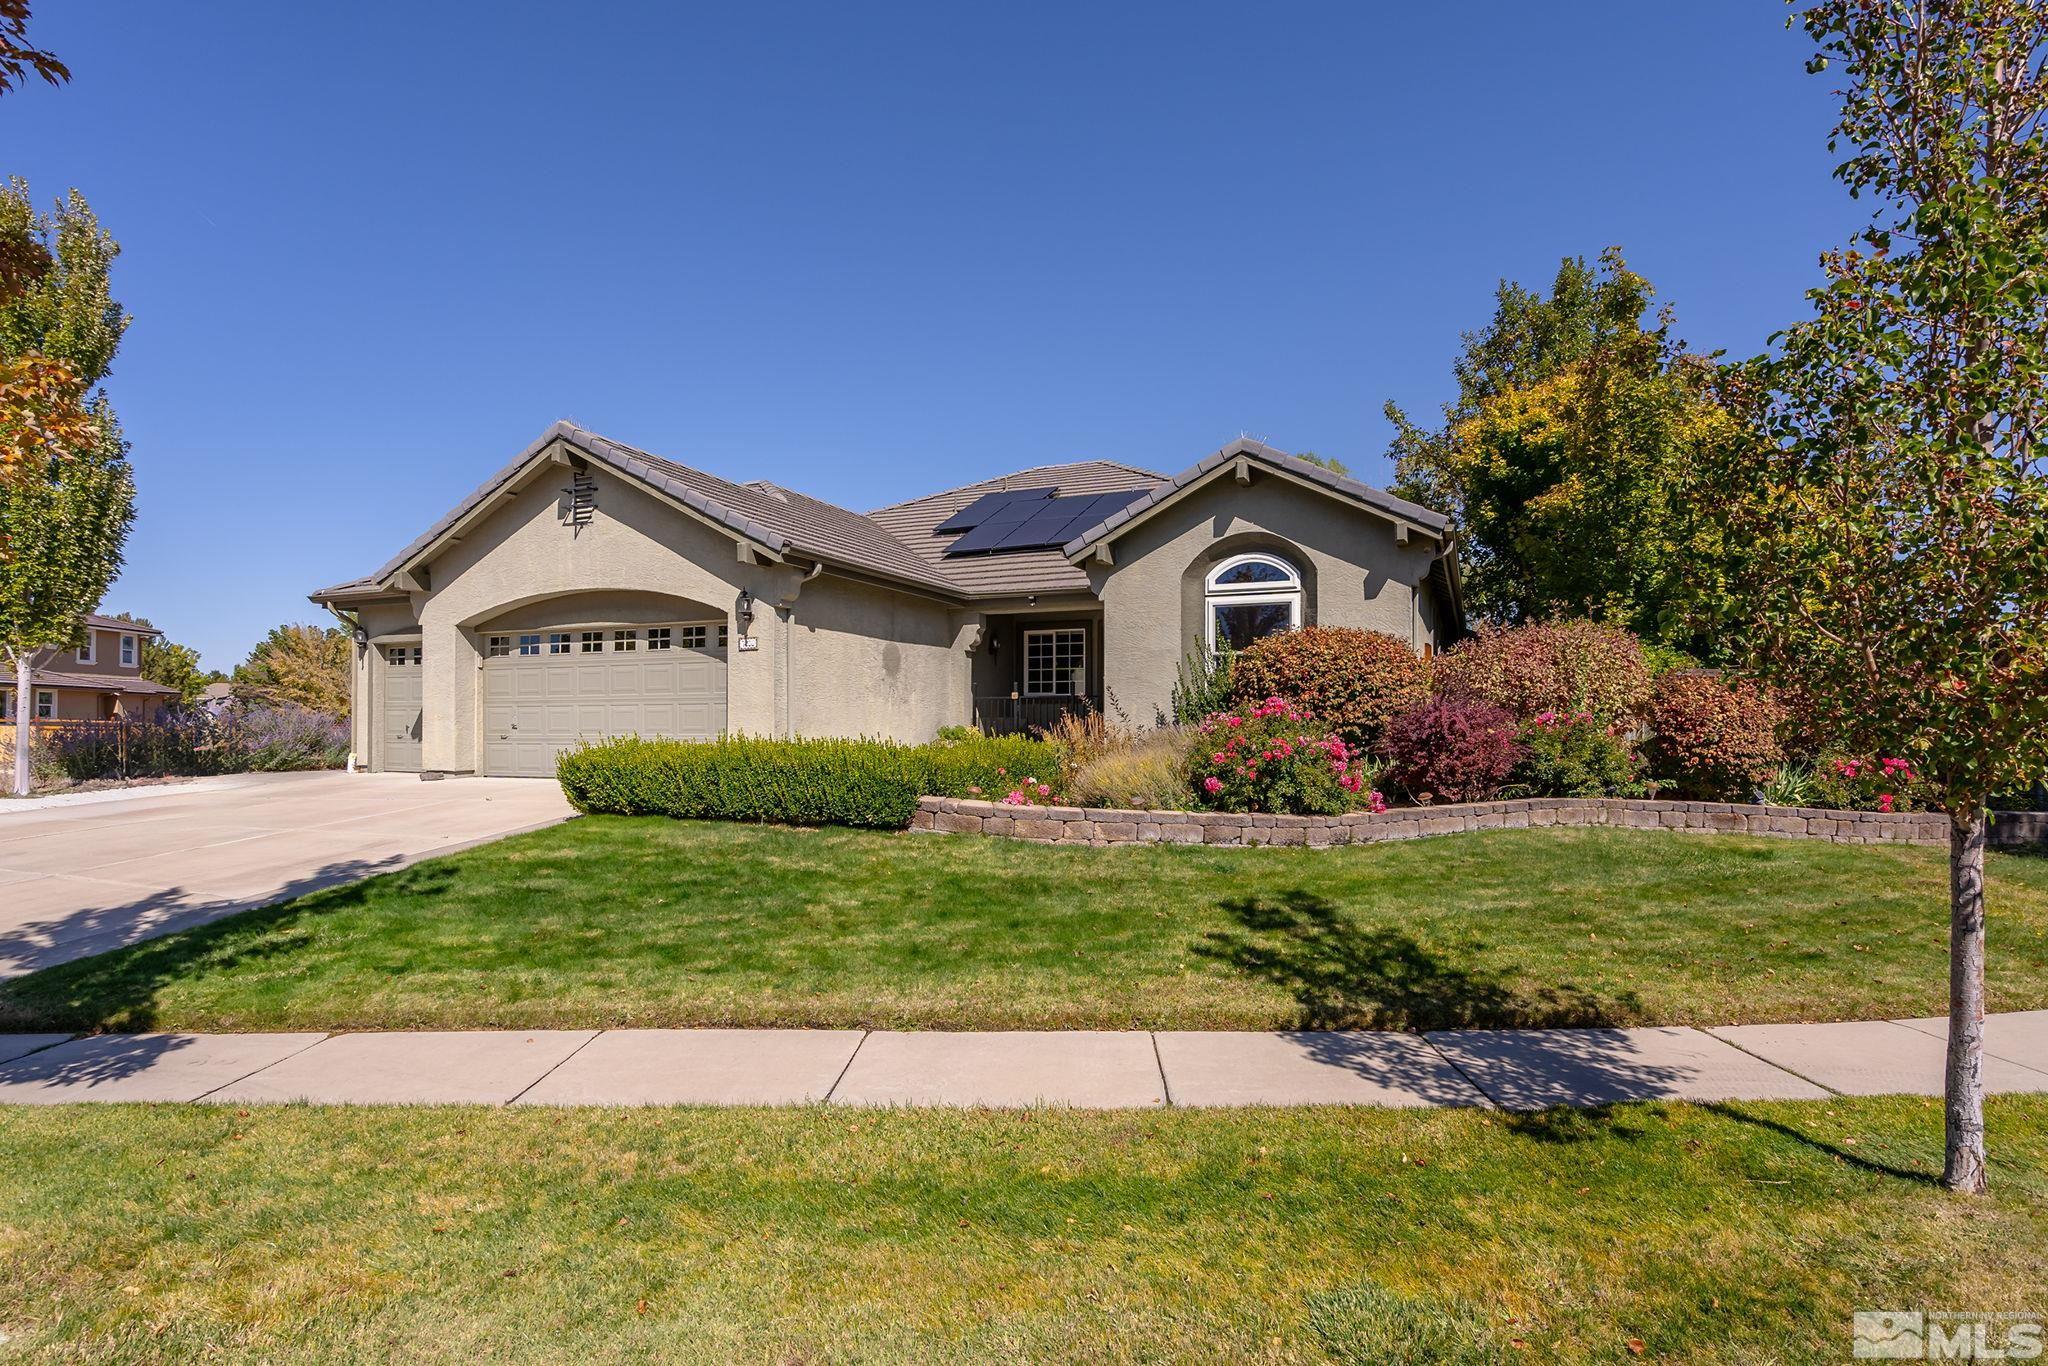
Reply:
x=1344, y=975
x=1729, y=1110
x=117, y=989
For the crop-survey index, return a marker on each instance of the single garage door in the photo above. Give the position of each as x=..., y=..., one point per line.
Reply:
x=546, y=690
x=398, y=713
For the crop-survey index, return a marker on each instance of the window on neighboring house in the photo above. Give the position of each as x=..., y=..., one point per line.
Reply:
x=591, y=642
x=46, y=705
x=625, y=640
x=1248, y=597
x=6, y=706
x=1056, y=662
x=127, y=652
x=85, y=650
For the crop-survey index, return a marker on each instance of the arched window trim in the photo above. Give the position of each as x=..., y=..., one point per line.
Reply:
x=1279, y=593
x=1290, y=584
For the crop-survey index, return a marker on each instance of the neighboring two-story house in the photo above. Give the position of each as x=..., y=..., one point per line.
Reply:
x=98, y=681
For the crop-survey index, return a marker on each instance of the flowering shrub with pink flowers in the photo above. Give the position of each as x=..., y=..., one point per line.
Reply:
x=1272, y=756
x=1846, y=783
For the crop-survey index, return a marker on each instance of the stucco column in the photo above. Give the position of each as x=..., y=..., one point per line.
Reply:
x=449, y=666
x=756, y=680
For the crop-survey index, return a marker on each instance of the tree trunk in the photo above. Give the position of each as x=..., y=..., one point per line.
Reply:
x=1964, y=1168
x=24, y=714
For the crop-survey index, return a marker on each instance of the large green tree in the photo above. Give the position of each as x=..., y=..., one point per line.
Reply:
x=1561, y=457
x=305, y=665
x=1889, y=523
x=67, y=495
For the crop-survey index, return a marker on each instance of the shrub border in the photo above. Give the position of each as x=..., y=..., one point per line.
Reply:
x=1103, y=826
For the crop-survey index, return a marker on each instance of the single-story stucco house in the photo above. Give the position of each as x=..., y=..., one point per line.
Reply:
x=592, y=589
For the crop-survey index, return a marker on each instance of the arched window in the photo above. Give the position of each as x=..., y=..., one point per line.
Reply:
x=1249, y=596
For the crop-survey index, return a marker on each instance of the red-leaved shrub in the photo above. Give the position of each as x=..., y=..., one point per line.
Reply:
x=1353, y=681
x=1716, y=740
x=1565, y=667
x=1452, y=750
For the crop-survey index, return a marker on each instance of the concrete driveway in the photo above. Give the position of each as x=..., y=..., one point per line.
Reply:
x=78, y=880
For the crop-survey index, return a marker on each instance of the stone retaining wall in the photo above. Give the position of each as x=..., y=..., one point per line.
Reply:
x=1073, y=825
x=2019, y=827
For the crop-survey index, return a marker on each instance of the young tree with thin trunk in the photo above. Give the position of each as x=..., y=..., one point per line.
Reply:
x=67, y=496
x=1889, y=524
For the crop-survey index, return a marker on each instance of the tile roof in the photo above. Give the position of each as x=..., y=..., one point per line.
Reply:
x=1020, y=571
x=116, y=624
x=49, y=678
x=1434, y=523
x=899, y=542
x=778, y=519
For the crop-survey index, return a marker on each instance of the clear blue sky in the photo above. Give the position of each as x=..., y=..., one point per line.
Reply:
x=866, y=251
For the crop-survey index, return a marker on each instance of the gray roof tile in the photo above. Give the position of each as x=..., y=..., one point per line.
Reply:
x=899, y=542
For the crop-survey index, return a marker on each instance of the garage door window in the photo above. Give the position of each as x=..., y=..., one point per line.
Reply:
x=400, y=656
x=658, y=638
x=558, y=642
x=592, y=642
x=624, y=641
x=498, y=646
x=529, y=645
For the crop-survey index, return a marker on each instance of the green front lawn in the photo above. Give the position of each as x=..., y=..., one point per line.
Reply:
x=616, y=921
x=1733, y=1233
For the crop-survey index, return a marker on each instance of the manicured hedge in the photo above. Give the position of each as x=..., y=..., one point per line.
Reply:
x=869, y=783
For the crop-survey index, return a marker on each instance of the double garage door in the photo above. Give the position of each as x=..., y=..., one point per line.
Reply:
x=543, y=691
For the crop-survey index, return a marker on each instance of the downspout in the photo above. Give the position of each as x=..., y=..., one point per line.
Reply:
x=359, y=701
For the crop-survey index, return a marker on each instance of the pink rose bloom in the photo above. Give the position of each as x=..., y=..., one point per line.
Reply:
x=1884, y=802
x=1212, y=786
x=1219, y=757
x=1379, y=803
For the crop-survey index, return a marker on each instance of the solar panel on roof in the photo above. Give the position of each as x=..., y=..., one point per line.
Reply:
x=1041, y=524
x=983, y=508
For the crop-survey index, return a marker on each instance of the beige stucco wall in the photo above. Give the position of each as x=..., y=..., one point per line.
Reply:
x=866, y=660
x=1354, y=573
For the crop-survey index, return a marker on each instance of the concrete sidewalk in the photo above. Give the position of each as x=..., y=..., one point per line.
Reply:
x=1509, y=1069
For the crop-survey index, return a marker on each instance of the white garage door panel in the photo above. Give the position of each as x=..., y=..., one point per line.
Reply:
x=537, y=706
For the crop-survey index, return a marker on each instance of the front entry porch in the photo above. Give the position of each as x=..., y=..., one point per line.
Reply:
x=1035, y=668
